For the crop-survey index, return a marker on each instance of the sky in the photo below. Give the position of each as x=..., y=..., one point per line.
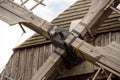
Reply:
x=12, y=36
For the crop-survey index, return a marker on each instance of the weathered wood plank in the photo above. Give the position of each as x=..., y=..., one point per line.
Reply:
x=98, y=40
x=50, y=67
x=106, y=39
x=13, y=13
x=29, y=64
x=94, y=18
x=118, y=36
x=102, y=40
x=40, y=59
x=8, y=67
x=14, y=65
x=95, y=55
x=22, y=63
x=113, y=38
x=35, y=60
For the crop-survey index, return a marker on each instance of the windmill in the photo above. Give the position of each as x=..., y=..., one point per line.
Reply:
x=68, y=43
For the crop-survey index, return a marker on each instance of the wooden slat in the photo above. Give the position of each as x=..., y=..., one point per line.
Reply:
x=6, y=77
x=81, y=3
x=118, y=36
x=8, y=67
x=14, y=66
x=36, y=53
x=41, y=57
x=84, y=7
x=29, y=62
x=22, y=63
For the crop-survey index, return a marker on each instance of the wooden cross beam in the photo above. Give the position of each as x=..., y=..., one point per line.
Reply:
x=13, y=13
x=97, y=14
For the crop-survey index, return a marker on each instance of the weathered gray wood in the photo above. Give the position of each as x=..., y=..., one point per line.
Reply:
x=113, y=36
x=102, y=40
x=106, y=57
x=14, y=66
x=95, y=16
x=13, y=13
x=8, y=67
x=35, y=60
x=83, y=68
x=106, y=42
x=50, y=67
x=86, y=48
x=41, y=57
x=118, y=36
x=98, y=40
x=29, y=62
x=22, y=64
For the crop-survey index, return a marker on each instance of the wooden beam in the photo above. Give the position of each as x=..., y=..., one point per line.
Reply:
x=52, y=67
x=13, y=13
x=95, y=17
x=108, y=60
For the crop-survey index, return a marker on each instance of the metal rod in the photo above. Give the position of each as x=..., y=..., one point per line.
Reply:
x=96, y=73
x=22, y=28
x=109, y=77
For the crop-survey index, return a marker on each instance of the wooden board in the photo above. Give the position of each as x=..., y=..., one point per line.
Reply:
x=50, y=69
x=108, y=58
x=94, y=18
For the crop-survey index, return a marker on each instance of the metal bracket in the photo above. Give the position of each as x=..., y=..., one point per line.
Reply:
x=59, y=37
x=58, y=40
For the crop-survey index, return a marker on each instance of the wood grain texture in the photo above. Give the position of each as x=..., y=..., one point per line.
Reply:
x=39, y=52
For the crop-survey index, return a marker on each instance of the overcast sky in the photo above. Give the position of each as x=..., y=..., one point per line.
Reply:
x=10, y=35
